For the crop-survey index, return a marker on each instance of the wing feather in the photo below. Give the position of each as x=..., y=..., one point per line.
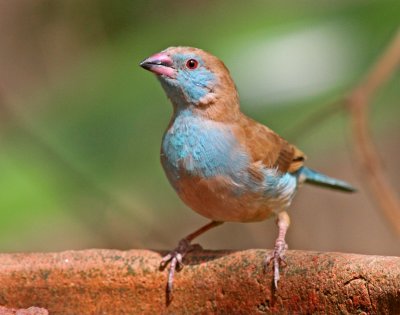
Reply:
x=268, y=149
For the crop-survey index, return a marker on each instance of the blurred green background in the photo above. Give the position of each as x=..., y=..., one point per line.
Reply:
x=81, y=123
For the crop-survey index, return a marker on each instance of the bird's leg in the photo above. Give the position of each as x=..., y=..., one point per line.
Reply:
x=278, y=254
x=184, y=246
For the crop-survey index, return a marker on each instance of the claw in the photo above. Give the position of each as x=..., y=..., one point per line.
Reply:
x=278, y=257
x=278, y=254
x=171, y=273
x=165, y=260
x=175, y=260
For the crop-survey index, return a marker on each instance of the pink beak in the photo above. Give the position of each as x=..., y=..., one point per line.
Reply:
x=160, y=64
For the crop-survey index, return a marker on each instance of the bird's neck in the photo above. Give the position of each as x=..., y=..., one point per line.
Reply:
x=219, y=112
x=176, y=95
x=222, y=106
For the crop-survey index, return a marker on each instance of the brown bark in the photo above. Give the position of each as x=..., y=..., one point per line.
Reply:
x=28, y=311
x=225, y=282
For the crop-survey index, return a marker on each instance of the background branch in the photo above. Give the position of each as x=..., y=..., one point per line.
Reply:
x=367, y=154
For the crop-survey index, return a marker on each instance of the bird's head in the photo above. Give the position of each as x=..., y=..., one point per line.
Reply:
x=192, y=77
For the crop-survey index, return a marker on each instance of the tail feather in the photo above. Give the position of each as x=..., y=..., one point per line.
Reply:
x=313, y=177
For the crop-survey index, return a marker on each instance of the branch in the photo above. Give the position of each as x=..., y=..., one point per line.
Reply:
x=28, y=311
x=367, y=154
x=129, y=282
x=357, y=103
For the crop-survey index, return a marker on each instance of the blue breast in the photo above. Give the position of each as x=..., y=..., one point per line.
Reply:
x=195, y=146
x=201, y=147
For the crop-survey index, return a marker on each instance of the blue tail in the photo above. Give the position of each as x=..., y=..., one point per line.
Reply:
x=313, y=177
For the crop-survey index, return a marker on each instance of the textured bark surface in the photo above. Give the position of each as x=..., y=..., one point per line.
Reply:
x=25, y=311
x=129, y=282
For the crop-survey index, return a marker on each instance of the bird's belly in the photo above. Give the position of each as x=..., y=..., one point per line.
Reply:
x=222, y=198
x=218, y=199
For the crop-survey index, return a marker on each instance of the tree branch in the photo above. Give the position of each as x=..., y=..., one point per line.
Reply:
x=129, y=282
x=357, y=103
x=366, y=152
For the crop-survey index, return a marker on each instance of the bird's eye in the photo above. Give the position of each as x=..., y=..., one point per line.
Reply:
x=192, y=64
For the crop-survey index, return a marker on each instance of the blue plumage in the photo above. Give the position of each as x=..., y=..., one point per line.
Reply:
x=197, y=147
x=313, y=177
x=189, y=86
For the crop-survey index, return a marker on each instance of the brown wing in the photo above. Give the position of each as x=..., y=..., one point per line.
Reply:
x=268, y=149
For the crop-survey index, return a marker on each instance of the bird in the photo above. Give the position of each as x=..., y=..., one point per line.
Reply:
x=223, y=164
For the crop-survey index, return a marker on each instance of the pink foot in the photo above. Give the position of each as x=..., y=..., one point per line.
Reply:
x=174, y=258
x=278, y=258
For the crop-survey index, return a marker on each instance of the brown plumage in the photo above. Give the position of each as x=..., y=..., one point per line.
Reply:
x=267, y=147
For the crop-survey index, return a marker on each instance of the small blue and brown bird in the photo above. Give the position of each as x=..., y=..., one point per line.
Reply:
x=223, y=164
